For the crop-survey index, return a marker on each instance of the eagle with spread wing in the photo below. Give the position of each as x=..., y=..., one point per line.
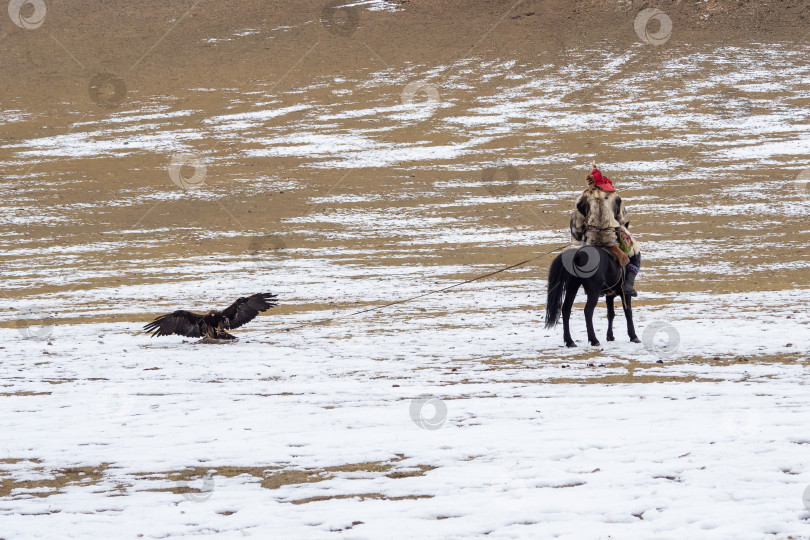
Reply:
x=215, y=323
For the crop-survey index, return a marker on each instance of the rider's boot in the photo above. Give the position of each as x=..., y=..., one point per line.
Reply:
x=629, y=281
x=620, y=255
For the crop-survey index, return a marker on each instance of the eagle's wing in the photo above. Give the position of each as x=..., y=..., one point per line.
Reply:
x=245, y=309
x=182, y=323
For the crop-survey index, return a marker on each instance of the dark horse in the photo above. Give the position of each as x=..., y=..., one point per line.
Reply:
x=600, y=274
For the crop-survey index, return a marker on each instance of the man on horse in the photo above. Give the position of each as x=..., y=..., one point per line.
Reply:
x=600, y=219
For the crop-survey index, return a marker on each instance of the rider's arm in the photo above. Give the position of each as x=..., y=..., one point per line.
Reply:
x=578, y=218
x=620, y=213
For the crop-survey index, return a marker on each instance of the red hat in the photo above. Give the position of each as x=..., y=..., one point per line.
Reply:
x=602, y=181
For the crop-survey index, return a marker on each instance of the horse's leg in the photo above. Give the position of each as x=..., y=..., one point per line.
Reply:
x=590, y=305
x=611, y=315
x=628, y=314
x=570, y=294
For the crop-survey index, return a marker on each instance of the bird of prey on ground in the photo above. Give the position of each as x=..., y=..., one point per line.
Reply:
x=215, y=323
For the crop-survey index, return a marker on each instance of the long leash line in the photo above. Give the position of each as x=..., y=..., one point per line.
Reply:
x=437, y=291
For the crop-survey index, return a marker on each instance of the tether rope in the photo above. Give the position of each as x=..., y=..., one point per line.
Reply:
x=437, y=291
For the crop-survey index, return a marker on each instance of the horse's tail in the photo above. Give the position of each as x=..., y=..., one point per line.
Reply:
x=556, y=288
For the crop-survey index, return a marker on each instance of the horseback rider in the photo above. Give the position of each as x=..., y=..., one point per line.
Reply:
x=600, y=219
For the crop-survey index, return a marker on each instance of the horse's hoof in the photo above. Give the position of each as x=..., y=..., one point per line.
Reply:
x=595, y=343
x=570, y=344
x=635, y=340
x=611, y=338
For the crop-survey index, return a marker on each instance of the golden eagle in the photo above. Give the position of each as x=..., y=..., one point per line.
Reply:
x=214, y=324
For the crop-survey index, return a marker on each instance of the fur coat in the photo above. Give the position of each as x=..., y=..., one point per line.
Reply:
x=597, y=216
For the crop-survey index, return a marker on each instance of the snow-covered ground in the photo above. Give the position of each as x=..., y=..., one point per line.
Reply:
x=746, y=103
x=459, y=414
